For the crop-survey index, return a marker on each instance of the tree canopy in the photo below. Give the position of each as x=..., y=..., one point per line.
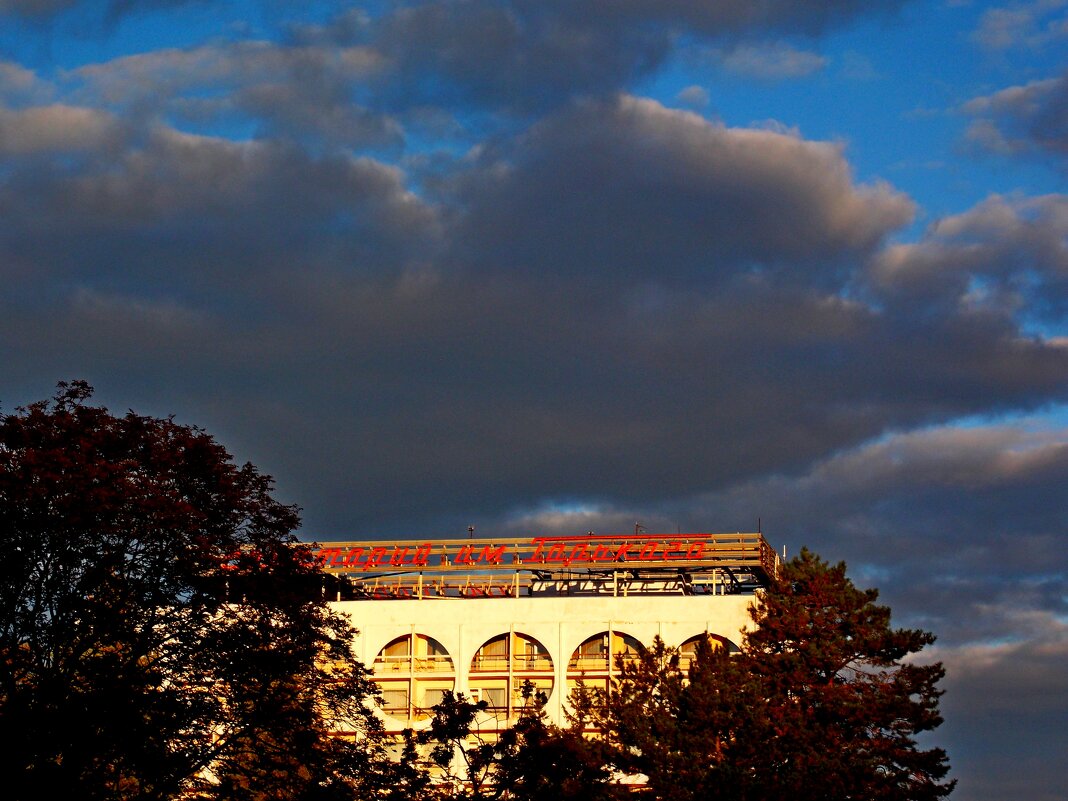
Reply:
x=531, y=760
x=157, y=632
x=823, y=702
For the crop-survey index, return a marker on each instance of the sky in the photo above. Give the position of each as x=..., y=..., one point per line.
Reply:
x=551, y=266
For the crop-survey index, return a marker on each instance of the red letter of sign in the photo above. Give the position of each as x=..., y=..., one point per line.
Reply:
x=422, y=554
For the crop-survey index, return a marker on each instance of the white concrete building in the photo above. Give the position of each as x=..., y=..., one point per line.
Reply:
x=484, y=617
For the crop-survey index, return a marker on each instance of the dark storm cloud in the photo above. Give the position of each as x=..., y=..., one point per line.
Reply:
x=45, y=9
x=950, y=520
x=575, y=309
x=518, y=55
x=1021, y=120
x=961, y=529
x=626, y=189
x=179, y=207
x=305, y=93
x=1005, y=707
x=529, y=55
x=340, y=84
x=34, y=8
x=672, y=316
x=730, y=15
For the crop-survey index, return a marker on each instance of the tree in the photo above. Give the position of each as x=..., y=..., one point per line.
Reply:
x=844, y=701
x=531, y=760
x=542, y=762
x=822, y=703
x=690, y=733
x=465, y=759
x=160, y=629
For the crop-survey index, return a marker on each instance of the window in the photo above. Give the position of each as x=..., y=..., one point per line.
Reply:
x=395, y=700
x=413, y=669
x=598, y=653
x=432, y=696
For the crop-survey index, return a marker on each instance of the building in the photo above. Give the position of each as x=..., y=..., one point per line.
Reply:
x=484, y=617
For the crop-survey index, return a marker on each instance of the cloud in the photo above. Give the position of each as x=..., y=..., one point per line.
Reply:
x=770, y=61
x=112, y=10
x=520, y=56
x=356, y=80
x=1006, y=256
x=524, y=56
x=1027, y=119
x=432, y=265
x=693, y=96
x=959, y=527
x=34, y=8
x=307, y=93
x=180, y=207
x=1004, y=707
x=854, y=66
x=1029, y=25
x=962, y=530
x=627, y=189
x=56, y=129
x=133, y=78
x=17, y=82
x=622, y=301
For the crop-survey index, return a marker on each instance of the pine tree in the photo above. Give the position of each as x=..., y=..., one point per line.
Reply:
x=844, y=700
x=824, y=702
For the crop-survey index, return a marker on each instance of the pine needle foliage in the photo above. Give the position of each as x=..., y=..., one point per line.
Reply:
x=824, y=702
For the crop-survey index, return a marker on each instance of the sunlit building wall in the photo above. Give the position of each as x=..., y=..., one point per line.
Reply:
x=488, y=618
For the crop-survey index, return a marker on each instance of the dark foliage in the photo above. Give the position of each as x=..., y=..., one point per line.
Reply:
x=530, y=761
x=157, y=636
x=822, y=703
x=844, y=703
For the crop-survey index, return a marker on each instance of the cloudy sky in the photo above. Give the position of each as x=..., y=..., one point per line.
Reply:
x=561, y=265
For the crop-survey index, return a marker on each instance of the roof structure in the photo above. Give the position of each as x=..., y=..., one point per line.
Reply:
x=586, y=564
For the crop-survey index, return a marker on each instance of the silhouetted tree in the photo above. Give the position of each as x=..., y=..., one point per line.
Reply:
x=822, y=703
x=541, y=762
x=463, y=759
x=686, y=732
x=531, y=760
x=844, y=701
x=160, y=629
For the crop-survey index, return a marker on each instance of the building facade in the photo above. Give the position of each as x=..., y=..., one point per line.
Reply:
x=486, y=617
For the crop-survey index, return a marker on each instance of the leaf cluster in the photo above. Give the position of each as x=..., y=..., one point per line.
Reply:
x=159, y=632
x=532, y=760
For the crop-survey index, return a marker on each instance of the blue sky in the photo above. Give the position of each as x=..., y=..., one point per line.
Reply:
x=549, y=266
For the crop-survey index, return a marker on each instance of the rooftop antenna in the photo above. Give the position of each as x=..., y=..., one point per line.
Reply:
x=638, y=527
x=470, y=532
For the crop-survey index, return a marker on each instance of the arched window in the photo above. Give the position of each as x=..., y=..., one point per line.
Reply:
x=688, y=650
x=593, y=663
x=413, y=673
x=506, y=667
